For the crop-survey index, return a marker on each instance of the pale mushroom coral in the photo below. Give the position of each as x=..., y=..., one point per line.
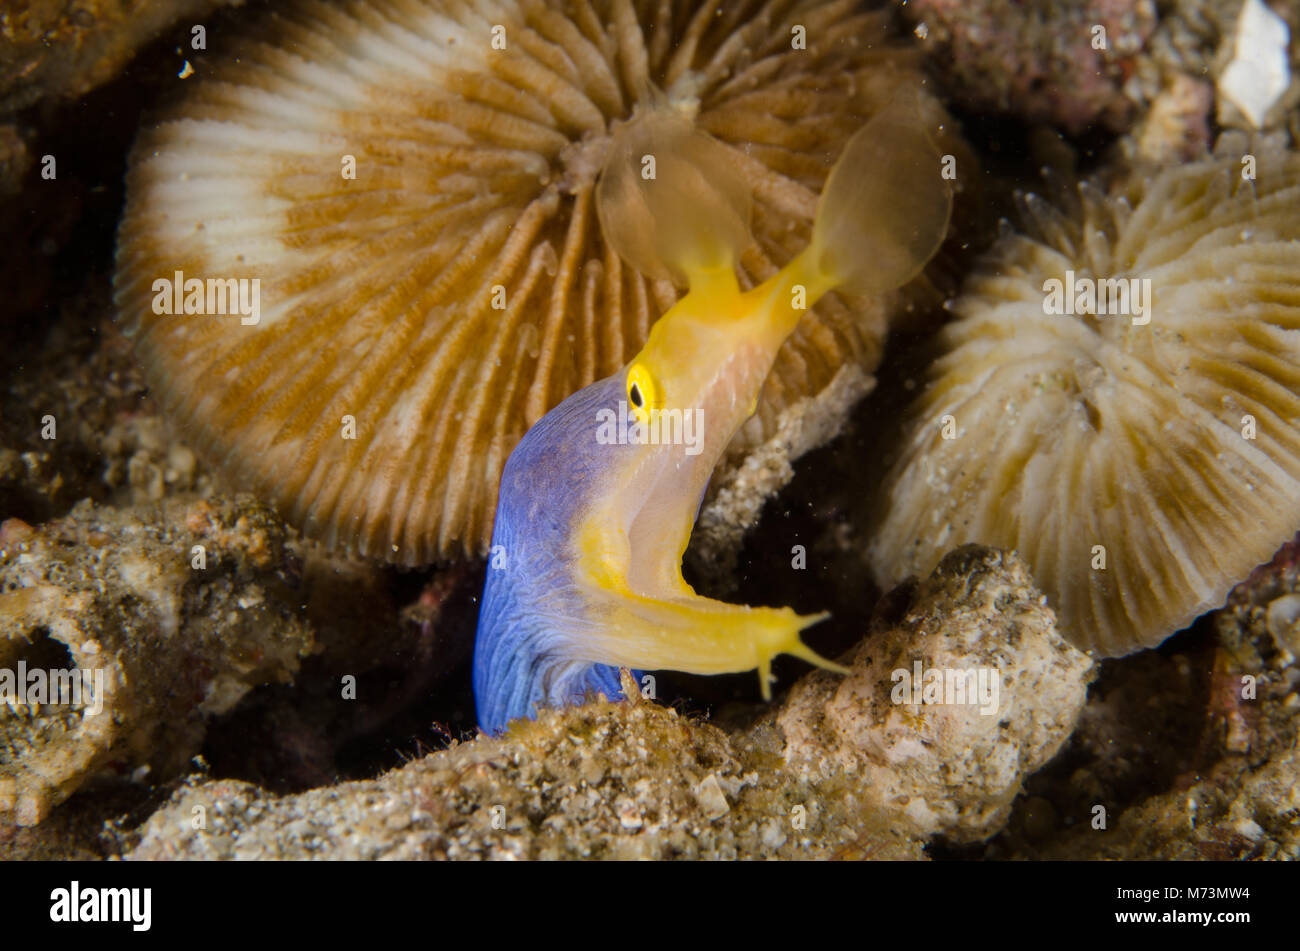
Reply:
x=1119, y=400
x=411, y=183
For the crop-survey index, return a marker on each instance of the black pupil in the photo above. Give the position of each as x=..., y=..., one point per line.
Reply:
x=635, y=394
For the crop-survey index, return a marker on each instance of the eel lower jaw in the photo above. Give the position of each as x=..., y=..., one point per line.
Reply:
x=697, y=635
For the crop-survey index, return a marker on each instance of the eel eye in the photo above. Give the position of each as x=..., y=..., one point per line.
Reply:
x=642, y=392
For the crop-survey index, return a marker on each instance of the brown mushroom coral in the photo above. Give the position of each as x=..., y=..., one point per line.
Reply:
x=1142, y=461
x=411, y=183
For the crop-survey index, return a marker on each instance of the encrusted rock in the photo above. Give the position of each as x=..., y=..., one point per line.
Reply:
x=666, y=787
x=947, y=711
x=1232, y=811
x=838, y=773
x=63, y=50
x=165, y=615
x=1064, y=63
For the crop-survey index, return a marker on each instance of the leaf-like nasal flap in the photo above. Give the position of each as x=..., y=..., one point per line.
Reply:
x=671, y=200
x=885, y=208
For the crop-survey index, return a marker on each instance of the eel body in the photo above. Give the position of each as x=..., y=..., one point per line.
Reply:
x=597, y=501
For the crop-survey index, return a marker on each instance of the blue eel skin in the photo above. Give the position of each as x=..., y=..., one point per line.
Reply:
x=529, y=597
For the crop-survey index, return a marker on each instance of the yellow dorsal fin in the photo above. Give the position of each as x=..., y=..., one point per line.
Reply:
x=885, y=207
x=671, y=201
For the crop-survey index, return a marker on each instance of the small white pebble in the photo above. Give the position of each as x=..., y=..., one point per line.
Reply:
x=773, y=835
x=1281, y=618
x=1249, y=828
x=712, y=800
x=1258, y=73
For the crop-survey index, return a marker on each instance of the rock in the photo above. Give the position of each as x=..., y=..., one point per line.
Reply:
x=835, y=774
x=59, y=50
x=163, y=617
x=1258, y=73
x=1041, y=61
x=1177, y=126
x=76, y=422
x=1232, y=811
x=946, y=765
x=711, y=798
x=662, y=792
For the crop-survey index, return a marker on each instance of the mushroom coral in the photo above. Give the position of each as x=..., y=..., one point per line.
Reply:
x=411, y=184
x=1141, y=462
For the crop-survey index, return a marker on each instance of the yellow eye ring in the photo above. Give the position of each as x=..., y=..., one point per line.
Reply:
x=642, y=391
